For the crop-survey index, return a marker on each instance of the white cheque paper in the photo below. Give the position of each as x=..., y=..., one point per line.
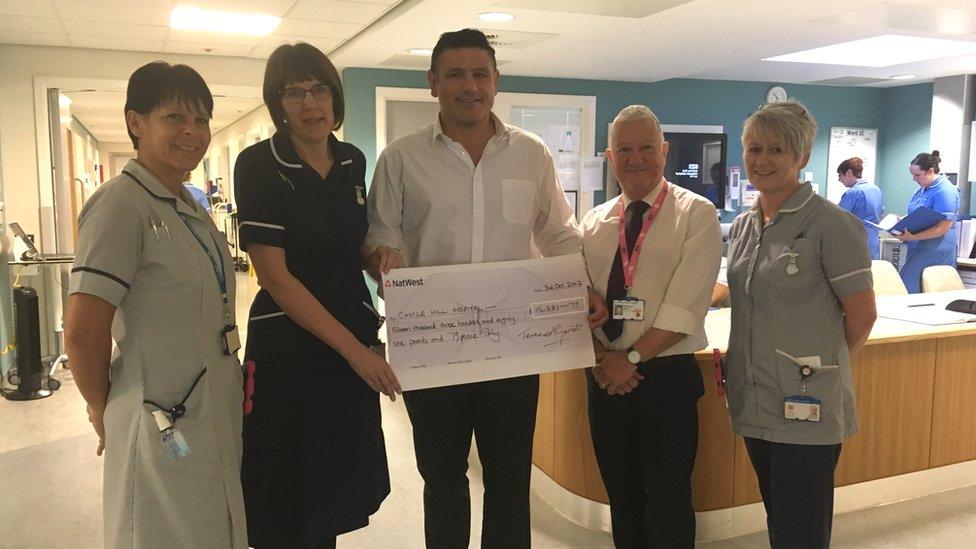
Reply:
x=462, y=323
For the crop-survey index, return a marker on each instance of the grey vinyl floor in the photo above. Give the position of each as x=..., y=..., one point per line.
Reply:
x=50, y=491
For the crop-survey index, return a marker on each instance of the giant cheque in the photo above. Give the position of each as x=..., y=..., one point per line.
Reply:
x=456, y=324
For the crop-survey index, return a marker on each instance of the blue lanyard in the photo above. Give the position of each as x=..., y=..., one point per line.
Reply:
x=218, y=266
x=217, y=263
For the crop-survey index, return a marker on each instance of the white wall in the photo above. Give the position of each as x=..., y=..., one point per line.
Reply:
x=254, y=125
x=108, y=150
x=23, y=64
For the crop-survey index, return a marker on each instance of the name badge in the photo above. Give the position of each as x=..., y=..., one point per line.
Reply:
x=801, y=408
x=231, y=340
x=628, y=308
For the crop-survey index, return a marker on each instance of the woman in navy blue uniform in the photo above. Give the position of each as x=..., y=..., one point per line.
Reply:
x=938, y=244
x=314, y=458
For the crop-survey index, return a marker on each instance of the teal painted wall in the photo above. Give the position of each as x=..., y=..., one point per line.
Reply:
x=904, y=133
x=901, y=114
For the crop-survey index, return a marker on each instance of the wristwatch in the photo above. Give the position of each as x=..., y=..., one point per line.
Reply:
x=634, y=356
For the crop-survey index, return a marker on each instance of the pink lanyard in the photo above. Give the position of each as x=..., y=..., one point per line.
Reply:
x=625, y=258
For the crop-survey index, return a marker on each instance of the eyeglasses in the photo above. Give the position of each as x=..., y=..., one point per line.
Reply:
x=296, y=95
x=788, y=105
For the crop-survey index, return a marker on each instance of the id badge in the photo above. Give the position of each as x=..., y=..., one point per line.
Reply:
x=231, y=340
x=628, y=308
x=801, y=408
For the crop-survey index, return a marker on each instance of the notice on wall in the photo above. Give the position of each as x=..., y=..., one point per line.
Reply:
x=591, y=173
x=847, y=143
x=455, y=324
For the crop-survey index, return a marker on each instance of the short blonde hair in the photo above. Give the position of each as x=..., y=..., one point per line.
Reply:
x=789, y=121
x=633, y=113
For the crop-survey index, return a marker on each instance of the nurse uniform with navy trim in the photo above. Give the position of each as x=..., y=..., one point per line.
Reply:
x=314, y=438
x=136, y=252
x=787, y=279
x=943, y=197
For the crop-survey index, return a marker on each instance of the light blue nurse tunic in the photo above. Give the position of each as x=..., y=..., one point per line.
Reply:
x=865, y=201
x=943, y=197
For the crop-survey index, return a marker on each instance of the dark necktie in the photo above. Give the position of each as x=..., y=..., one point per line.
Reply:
x=615, y=285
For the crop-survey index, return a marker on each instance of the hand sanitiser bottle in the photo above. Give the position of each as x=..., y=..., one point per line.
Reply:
x=174, y=444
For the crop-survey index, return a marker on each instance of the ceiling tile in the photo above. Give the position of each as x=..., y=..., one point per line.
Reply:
x=339, y=11
x=101, y=11
x=33, y=38
x=123, y=44
x=33, y=8
x=268, y=45
x=319, y=29
x=30, y=24
x=270, y=7
x=151, y=3
x=217, y=39
x=97, y=29
x=207, y=49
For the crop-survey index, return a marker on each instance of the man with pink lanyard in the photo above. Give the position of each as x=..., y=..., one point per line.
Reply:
x=654, y=253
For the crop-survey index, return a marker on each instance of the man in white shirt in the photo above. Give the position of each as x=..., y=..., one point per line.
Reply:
x=470, y=189
x=644, y=390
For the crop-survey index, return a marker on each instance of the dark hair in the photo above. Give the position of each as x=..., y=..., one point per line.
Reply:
x=291, y=63
x=927, y=161
x=158, y=82
x=855, y=164
x=464, y=38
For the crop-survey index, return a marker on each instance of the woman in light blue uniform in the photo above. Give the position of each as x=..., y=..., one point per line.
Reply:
x=863, y=199
x=937, y=244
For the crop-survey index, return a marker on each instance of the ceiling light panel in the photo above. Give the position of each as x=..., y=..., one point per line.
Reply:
x=881, y=51
x=910, y=17
x=189, y=18
x=496, y=17
x=271, y=7
x=214, y=39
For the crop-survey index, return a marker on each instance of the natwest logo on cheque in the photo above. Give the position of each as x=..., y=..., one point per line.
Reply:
x=404, y=282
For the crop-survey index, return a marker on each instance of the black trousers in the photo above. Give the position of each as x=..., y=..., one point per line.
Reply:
x=797, y=486
x=501, y=415
x=645, y=444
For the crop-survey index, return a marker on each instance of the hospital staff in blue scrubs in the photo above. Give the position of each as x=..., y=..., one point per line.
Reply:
x=937, y=244
x=863, y=199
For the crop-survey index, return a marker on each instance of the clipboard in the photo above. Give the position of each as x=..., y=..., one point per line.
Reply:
x=917, y=221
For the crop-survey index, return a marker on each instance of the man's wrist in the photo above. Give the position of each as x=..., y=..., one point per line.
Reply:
x=634, y=356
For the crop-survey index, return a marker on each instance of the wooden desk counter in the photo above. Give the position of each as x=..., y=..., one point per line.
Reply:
x=914, y=385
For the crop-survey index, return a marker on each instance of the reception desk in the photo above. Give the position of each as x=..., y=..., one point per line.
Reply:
x=914, y=385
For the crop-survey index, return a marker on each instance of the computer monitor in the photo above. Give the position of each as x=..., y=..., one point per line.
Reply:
x=32, y=254
x=697, y=162
x=19, y=232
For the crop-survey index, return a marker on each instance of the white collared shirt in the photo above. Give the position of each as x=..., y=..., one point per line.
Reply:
x=430, y=201
x=676, y=269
